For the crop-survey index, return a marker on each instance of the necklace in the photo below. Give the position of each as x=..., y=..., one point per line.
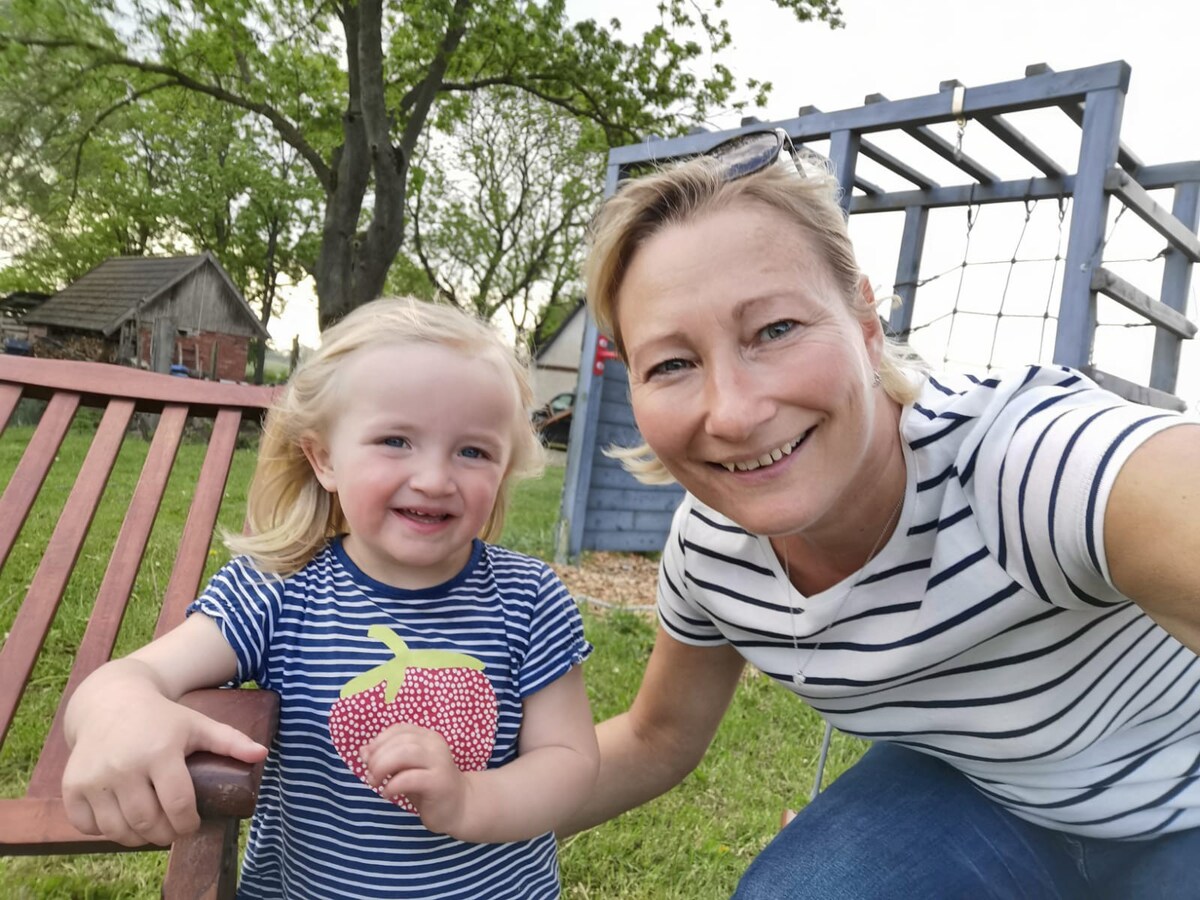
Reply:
x=799, y=678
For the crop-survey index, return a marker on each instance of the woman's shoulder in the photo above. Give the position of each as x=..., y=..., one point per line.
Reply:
x=949, y=401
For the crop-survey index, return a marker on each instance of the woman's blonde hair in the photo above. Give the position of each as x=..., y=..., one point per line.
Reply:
x=679, y=194
x=290, y=515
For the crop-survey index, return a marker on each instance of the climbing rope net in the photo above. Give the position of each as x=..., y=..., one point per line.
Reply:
x=985, y=301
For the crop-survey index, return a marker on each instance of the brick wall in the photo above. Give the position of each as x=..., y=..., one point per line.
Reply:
x=196, y=353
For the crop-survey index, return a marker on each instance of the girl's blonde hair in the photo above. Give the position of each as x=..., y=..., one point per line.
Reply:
x=644, y=206
x=290, y=515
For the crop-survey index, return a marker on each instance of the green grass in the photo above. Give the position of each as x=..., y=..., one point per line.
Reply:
x=692, y=842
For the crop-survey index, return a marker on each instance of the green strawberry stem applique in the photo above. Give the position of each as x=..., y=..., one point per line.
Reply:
x=393, y=670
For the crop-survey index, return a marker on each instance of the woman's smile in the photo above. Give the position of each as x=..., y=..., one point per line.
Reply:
x=768, y=459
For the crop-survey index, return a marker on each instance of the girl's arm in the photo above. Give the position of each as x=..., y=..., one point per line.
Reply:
x=126, y=777
x=1152, y=531
x=551, y=776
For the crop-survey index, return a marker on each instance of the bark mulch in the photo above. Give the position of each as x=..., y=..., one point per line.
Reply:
x=616, y=579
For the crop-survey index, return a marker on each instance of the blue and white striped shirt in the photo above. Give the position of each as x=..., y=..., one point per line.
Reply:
x=987, y=631
x=318, y=831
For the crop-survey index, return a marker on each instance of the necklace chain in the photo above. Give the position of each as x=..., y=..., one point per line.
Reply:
x=799, y=678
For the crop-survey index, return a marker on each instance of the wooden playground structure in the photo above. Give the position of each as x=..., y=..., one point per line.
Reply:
x=604, y=508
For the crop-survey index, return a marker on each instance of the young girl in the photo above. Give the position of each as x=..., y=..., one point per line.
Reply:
x=434, y=727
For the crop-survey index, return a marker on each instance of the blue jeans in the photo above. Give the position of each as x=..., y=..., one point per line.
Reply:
x=900, y=824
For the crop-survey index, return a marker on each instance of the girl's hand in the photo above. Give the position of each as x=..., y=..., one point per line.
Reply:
x=415, y=762
x=126, y=777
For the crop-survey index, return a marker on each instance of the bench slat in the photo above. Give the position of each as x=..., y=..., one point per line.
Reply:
x=104, y=624
x=31, y=471
x=32, y=623
x=201, y=520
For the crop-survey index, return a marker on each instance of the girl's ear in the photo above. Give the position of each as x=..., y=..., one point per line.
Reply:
x=317, y=455
x=872, y=329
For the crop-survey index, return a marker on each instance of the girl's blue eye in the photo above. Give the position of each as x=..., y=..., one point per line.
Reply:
x=474, y=453
x=778, y=329
x=395, y=442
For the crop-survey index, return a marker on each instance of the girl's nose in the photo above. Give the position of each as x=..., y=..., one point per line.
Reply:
x=432, y=477
x=735, y=403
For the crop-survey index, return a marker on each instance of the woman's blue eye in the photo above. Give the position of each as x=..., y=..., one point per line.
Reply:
x=777, y=329
x=668, y=366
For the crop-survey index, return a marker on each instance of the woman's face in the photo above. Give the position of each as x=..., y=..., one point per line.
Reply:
x=750, y=377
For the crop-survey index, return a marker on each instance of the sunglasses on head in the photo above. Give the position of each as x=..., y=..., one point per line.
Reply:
x=754, y=151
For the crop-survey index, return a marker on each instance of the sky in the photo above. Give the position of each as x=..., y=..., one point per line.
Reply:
x=904, y=48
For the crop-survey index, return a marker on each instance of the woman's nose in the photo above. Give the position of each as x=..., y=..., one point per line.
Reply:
x=735, y=404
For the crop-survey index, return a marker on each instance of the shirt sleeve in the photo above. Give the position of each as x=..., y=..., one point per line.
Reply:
x=245, y=604
x=1047, y=461
x=678, y=613
x=556, y=641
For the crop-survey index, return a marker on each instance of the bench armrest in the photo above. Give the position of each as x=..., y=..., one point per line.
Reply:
x=228, y=787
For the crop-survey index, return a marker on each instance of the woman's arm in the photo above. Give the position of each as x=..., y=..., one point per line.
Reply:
x=126, y=777
x=1152, y=531
x=651, y=748
x=553, y=772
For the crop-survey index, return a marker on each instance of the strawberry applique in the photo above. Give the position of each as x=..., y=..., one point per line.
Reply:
x=441, y=690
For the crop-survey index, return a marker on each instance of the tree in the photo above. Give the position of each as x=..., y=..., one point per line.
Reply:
x=351, y=85
x=497, y=210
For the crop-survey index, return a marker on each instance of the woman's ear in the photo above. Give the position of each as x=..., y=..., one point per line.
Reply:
x=872, y=328
x=317, y=455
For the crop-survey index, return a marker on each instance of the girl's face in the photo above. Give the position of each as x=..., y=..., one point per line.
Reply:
x=750, y=377
x=416, y=453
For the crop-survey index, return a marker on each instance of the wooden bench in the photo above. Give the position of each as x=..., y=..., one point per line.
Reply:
x=203, y=865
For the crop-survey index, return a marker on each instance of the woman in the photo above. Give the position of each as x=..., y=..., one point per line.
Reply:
x=996, y=581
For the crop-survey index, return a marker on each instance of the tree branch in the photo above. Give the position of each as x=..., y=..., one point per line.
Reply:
x=288, y=131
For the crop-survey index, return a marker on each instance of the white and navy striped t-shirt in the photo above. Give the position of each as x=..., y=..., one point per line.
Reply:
x=318, y=831
x=987, y=631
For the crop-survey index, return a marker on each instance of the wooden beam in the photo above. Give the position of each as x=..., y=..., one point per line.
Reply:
x=885, y=159
x=1165, y=223
x=1168, y=175
x=1011, y=136
x=1176, y=286
x=964, y=194
x=1075, y=109
x=1135, y=392
x=923, y=134
x=1022, y=145
x=1076, y=329
x=1161, y=315
x=995, y=99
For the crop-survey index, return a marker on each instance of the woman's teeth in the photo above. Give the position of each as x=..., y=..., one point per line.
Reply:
x=766, y=459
